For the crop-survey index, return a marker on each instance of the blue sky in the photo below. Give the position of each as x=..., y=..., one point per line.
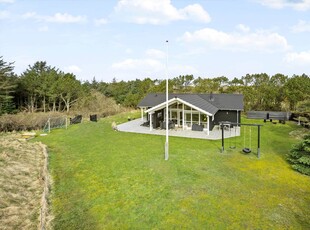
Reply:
x=126, y=39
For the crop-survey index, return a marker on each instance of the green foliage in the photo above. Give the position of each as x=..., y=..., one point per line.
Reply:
x=296, y=89
x=183, y=83
x=303, y=106
x=299, y=156
x=261, y=91
x=7, y=87
x=46, y=88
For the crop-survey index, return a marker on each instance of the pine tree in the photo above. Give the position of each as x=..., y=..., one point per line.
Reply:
x=7, y=87
x=299, y=156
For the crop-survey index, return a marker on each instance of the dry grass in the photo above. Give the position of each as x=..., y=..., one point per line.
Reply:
x=299, y=133
x=22, y=182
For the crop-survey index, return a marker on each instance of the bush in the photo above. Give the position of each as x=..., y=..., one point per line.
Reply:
x=299, y=156
x=97, y=103
x=25, y=121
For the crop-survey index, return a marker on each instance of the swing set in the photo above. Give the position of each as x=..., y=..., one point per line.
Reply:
x=249, y=126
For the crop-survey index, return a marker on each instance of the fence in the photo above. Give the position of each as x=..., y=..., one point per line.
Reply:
x=284, y=116
x=54, y=123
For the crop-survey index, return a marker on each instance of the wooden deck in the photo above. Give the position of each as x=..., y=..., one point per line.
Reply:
x=134, y=126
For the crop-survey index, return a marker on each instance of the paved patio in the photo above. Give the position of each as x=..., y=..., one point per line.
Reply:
x=134, y=126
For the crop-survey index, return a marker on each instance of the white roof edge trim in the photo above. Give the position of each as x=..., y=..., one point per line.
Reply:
x=156, y=107
x=194, y=107
x=171, y=101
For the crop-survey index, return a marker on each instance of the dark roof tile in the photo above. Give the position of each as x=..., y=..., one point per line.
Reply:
x=207, y=102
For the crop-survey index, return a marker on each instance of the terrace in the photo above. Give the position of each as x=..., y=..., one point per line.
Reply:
x=135, y=126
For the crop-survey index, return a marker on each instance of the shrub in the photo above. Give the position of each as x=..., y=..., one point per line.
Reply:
x=25, y=121
x=97, y=103
x=299, y=156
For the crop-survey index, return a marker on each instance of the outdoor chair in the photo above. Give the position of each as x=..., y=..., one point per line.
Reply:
x=196, y=127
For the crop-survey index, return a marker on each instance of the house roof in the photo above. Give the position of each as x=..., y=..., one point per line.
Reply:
x=177, y=99
x=209, y=103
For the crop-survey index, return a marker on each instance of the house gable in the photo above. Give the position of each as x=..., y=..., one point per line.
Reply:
x=185, y=102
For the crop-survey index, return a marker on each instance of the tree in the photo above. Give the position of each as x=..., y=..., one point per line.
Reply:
x=206, y=85
x=222, y=82
x=234, y=86
x=70, y=90
x=297, y=89
x=34, y=83
x=7, y=86
x=54, y=89
x=299, y=156
x=182, y=83
x=256, y=91
x=276, y=93
x=160, y=86
x=262, y=89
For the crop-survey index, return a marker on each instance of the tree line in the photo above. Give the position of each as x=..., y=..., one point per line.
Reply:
x=39, y=88
x=261, y=91
x=45, y=88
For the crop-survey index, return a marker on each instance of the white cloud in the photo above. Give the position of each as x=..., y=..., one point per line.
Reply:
x=260, y=40
x=154, y=53
x=138, y=64
x=182, y=69
x=302, y=26
x=300, y=5
x=195, y=12
x=56, y=18
x=100, y=21
x=158, y=12
x=65, y=18
x=298, y=58
x=7, y=1
x=243, y=28
x=73, y=69
x=133, y=68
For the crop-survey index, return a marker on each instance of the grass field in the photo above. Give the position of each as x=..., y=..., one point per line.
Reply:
x=105, y=179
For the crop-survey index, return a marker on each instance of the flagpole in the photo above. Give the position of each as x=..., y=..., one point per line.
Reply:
x=167, y=105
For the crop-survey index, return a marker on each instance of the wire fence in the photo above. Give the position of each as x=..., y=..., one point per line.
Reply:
x=55, y=123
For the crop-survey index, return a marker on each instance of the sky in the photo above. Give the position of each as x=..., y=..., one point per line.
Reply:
x=127, y=39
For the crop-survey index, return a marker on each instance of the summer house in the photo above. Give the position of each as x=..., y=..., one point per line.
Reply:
x=191, y=111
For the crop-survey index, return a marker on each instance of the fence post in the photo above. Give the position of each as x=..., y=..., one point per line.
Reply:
x=258, y=141
x=49, y=124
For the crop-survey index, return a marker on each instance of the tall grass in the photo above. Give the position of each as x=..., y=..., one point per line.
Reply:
x=104, y=179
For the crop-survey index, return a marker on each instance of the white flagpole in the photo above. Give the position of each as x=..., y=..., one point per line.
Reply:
x=167, y=113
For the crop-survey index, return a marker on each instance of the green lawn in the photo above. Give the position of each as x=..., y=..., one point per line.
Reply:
x=103, y=179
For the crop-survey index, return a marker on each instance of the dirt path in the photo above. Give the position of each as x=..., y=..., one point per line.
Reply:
x=22, y=183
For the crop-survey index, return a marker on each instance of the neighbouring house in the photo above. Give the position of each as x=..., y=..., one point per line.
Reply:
x=191, y=111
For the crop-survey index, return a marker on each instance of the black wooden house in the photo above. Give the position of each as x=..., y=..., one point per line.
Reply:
x=192, y=110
